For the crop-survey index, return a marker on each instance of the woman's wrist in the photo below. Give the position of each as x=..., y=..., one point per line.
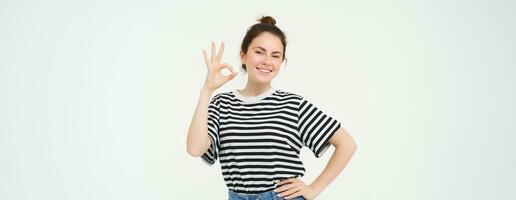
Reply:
x=316, y=189
x=206, y=90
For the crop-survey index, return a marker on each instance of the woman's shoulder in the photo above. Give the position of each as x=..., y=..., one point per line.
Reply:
x=223, y=95
x=219, y=97
x=288, y=94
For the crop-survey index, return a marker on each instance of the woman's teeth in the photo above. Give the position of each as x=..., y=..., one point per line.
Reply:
x=264, y=70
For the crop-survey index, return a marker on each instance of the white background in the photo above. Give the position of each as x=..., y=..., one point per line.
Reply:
x=97, y=96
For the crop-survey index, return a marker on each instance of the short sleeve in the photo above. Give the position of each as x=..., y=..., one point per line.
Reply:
x=315, y=127
x=211, y=155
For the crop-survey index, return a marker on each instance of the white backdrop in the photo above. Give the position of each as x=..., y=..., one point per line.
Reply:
x=97, y=96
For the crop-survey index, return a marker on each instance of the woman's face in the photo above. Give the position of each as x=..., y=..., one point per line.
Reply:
x=263, y=58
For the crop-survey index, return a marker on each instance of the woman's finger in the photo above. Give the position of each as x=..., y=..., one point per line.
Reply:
x=212, y=52
x=297, y=194
x=206, y=60
x=287, y=181
x=226, y=65
x=290, y=191
x=221, y=51
x=285, y=187
x=231, y=76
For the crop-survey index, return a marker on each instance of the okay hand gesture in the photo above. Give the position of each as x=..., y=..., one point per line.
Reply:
x=214, y=78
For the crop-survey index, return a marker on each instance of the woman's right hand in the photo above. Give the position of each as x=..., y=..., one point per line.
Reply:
x=214, y=77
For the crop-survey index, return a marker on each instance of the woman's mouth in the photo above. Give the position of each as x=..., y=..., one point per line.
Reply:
x=264, y=70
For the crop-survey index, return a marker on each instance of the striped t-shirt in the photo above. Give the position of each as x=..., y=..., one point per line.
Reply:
x=258, y=139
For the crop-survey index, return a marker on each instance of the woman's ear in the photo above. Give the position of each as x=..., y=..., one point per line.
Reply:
x=242, y=57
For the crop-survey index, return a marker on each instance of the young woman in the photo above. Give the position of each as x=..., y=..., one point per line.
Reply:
x=257, y=132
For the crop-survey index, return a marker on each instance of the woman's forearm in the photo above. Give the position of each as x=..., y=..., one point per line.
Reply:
x=198, y=140
x=340, y=158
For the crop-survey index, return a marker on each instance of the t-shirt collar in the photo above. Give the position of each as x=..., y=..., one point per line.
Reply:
x=252, y=99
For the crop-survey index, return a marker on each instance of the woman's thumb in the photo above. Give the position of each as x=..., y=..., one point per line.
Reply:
x=232, y=75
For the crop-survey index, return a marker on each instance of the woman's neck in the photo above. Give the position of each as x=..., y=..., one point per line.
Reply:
x=252, y=89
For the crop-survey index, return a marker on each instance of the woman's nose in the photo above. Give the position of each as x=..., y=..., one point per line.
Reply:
x=268, y=60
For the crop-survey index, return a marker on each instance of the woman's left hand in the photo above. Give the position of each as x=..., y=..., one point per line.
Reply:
x=294, y=187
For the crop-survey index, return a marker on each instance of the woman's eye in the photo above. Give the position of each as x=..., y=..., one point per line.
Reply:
x=258, y=52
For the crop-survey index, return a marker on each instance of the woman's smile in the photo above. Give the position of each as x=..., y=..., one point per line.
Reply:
x=264, y=70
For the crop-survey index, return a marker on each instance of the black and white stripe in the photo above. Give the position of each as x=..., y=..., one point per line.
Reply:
x=258, y=142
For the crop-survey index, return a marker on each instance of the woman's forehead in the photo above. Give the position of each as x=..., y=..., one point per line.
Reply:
x=268, y=42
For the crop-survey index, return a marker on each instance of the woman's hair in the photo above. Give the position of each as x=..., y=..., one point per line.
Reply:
x=267, y=24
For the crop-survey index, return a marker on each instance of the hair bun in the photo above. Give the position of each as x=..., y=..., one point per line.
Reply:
x=268, y=20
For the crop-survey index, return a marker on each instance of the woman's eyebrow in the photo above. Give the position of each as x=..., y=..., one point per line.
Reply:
x=266, y=50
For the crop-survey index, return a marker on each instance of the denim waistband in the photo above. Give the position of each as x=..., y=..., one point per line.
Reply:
x=268, y=195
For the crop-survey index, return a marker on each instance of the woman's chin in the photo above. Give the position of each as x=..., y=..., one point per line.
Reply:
x=263, y=79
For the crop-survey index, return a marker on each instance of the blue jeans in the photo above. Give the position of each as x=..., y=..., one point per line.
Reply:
x=269, y=195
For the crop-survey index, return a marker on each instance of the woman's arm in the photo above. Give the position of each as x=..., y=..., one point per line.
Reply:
x=345, y=147
x=198, y=141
